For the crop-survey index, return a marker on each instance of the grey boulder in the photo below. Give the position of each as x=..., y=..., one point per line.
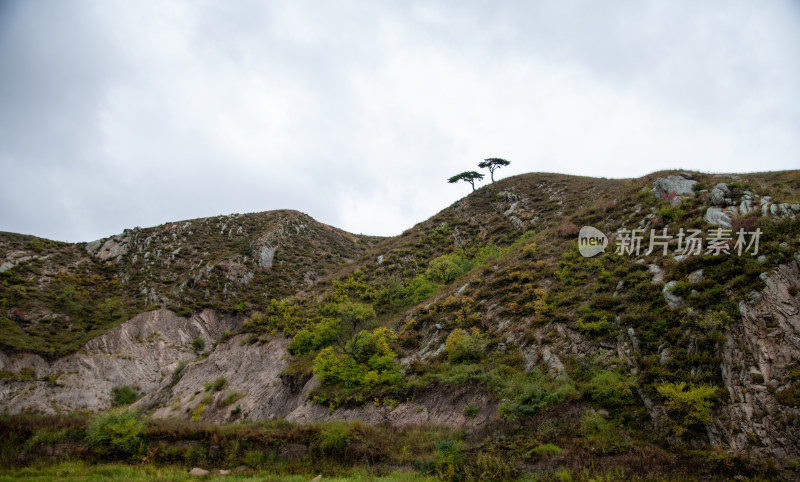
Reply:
x=717, y=217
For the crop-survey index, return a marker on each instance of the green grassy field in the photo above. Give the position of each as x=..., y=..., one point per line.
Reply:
x=83, y=471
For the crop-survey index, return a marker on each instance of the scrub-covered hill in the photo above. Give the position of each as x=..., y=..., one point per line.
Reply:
x=681, y=336
x=55, y=296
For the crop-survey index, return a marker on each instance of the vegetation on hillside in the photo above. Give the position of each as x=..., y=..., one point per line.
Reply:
x=491, y=296
x=125, y=446
x=58, y=295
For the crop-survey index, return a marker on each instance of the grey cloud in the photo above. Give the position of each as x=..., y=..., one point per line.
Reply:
x=118, y=114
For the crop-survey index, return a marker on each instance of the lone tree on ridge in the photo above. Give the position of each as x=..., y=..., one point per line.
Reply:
x=469, y=176
x=493, y=163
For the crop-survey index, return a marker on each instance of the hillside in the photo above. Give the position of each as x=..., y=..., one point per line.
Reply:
x=56, y=296
x=484, y=317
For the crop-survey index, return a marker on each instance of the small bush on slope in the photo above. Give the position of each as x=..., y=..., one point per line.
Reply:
x=687, y=405
x=116, y=434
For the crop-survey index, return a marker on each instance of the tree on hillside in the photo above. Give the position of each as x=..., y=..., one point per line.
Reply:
x=493, y=163
x=354, y=314
x=469, y=176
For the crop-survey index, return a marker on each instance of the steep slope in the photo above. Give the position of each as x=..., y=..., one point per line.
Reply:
x=139, y=353
x=492, y=294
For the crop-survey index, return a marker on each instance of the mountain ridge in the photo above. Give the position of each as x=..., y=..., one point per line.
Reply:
x=489, y=298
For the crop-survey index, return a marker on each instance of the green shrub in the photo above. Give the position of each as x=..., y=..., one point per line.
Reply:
x=253, y=459
x=318, y=336
x=47, y=437
x=231, y=397
x=563, y=474
x=198, y=344
x=200, y=409
x=713, y=320
x=527, y=394
x=367, y=360
x=593, y=423
x=593, y=328
x=333, y=438
x=670, y=213
x=219, y=383
x=449, y=460
x=789, y=396
x=488, y=466
x=194, y=456
x=602, y=433
x=611, y=389
x=489, y=250
x=471, y=410
x=116, y=434
x=462, y=346
x=124, y=395
x=687, y=405
x=353, y=314
x=546, y=449
x=424, y=466
x=413, y=291
x=445, y=269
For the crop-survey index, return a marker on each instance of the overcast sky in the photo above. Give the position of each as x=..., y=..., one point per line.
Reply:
x=115, y=114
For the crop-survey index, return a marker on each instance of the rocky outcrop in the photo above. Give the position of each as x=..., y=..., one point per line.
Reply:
x=109, y=249
x=717, y=217
x=237, y=380
x=252, y=381
x=676, y=186
x=721, y=195
x=673, y=301
x=265, y=256
x=14, y=258
x=760, y=363
x=139, y=353
x=657, y=272
x=432, y=406
x=255, y=389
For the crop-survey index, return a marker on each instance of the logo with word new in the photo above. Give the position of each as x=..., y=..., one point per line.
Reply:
x=591, y=241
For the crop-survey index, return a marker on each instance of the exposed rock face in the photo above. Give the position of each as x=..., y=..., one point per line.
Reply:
x=146, y=350
x=757, y=363
x=717, y=217
x=111, y=248
x=140, y=352
x=434, y=406
x=252, y=375
x=721, y=194
x=12, y=259
x=677, y=184
x=657, y=272
x=673, y=301
x=265, y=256
x=695, y=276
